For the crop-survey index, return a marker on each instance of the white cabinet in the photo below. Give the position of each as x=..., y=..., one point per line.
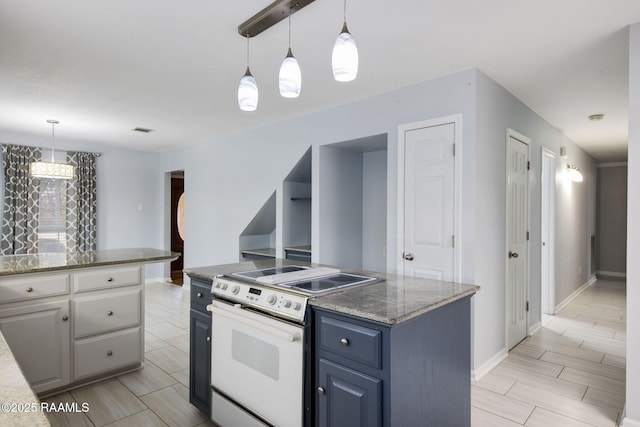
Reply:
x=104, y=311
x=107, y=352
x=65, y=329
x=38, y=334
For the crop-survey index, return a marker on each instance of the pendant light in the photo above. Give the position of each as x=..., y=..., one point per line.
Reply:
x=248, y=89
x=344, y=58
x=290, y=77
x=52, y=170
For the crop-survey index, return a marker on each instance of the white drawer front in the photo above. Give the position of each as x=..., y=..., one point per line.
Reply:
x=32, y=287
x=106, y=312
x=106, y=278
x=108, y=352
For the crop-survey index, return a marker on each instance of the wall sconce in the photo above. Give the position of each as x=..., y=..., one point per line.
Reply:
x=574, y=173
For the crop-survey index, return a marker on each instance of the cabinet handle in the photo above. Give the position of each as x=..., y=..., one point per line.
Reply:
x=65, y=318
x=199, y=295
x=110, y=279
x=29, y=289
x=321, y=391
x=110, y=313
x=208, y=339
x=344, y=341
x=109, y=353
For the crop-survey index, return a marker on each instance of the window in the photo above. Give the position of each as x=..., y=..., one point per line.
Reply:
x=52, y=223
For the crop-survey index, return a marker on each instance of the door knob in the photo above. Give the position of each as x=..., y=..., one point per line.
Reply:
x=513, y=254
x=408, y=257
x=321, y=391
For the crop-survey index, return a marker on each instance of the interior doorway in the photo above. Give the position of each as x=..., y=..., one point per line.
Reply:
x=547, y=256
x=177, y=225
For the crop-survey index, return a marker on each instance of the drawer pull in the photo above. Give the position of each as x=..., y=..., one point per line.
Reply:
x=208, y=339
x=199, y=295
x=110, y=279
x=109, y=353
x=344, y=342
x=110, y=313
x=65, y=318
x=321, y=391
x=29, y=289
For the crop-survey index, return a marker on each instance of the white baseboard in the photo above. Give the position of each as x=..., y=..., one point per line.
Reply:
x=575, y=293
x=477, y=374
x=628, y=422
x=611, y=274
x=156, y=280
x=535, y=328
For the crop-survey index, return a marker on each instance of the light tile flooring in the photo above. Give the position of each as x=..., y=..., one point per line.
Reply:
x=570, y=373
x=158, y=394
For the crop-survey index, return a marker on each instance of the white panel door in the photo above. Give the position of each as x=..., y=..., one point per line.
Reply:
x=517, y=247
x=429, y=202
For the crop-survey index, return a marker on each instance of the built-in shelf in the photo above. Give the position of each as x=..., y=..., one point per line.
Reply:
x=261, y=253
x=298, y=253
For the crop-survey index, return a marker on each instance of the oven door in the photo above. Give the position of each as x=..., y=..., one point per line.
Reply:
x=257, y=363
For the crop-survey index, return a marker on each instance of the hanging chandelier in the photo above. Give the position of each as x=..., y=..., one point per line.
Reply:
x=344, y=59
x=52, y=170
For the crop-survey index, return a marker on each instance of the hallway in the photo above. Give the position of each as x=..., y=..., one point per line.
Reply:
x=569, y=373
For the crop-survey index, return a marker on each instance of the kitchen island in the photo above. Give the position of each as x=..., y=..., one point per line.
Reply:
x=71, y=318
x=393, y=352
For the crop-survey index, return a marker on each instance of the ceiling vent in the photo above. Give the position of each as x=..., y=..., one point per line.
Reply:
x=143, y=130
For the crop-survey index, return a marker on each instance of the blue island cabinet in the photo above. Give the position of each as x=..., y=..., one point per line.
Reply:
x=412, y=373
x=200, y=346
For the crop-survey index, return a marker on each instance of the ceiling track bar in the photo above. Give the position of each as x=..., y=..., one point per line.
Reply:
x=270, y=15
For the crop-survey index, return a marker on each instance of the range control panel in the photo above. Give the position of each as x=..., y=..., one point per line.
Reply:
x=275, y=301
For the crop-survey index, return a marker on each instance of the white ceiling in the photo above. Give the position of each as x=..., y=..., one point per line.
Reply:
x=103, y=68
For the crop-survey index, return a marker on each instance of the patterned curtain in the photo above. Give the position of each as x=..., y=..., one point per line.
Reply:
x=20, y=215
x=81, y=203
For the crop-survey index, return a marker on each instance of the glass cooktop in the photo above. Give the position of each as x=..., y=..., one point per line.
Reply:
x=308, y=286
x=254, y=274
x=325, y=284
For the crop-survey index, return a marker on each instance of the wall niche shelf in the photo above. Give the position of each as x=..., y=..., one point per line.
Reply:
x=257, y=240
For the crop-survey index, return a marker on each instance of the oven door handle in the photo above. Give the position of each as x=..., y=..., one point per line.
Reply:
x=291, y=337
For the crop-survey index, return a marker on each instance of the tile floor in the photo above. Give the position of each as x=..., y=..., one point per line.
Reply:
x=570, y=373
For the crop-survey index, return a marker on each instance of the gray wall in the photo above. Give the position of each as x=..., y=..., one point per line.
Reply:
x=575, y=211
x=633, y=237
x=611, y=230
x=374, y=212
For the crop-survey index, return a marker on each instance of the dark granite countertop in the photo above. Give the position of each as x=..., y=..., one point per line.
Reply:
x=392, y=300
x=36, y=263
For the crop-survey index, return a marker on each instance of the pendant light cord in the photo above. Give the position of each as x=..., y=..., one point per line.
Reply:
x=345, y=11
x=53, y=137
x=289, y=28
x=248, y=36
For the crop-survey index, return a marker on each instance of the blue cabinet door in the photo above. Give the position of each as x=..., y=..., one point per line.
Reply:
x=348, y=398
x=200, y=361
